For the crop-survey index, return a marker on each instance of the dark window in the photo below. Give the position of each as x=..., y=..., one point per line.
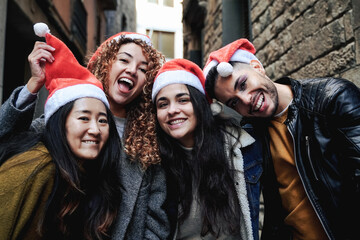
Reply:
x=78, y=23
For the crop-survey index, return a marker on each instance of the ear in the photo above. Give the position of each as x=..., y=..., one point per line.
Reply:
x=257, y=66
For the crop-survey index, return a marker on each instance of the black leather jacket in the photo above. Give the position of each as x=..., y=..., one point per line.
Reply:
x=324, y=122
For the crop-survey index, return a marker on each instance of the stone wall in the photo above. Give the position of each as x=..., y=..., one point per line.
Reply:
x=212, y=28
x=307, y=38
x=297, y=38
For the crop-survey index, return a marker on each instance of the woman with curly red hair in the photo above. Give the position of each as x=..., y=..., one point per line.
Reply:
x=126, y=64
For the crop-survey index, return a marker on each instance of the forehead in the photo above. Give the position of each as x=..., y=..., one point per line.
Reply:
x=224, y=86
x=172, y=90
x=133, y=49
x=89, y=104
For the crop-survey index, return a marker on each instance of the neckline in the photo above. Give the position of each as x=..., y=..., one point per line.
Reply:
x=284, y=110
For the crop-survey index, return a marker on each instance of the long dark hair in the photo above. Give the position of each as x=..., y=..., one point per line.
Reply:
x=208, y=171
x=84, y=201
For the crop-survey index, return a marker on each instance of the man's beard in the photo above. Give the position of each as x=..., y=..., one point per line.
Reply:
x=272, y=91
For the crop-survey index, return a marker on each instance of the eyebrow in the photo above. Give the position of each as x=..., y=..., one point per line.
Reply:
x=236, y=83
x=126, y=53
x=131, y=56
x=177, y=96
x=89, y=112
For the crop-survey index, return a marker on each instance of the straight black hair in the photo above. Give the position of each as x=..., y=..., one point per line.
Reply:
x=207, y=172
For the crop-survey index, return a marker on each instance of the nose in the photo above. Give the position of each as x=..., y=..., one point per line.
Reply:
x=245, y=98
x=131, y=68
x=173, y=109
x=94, y=128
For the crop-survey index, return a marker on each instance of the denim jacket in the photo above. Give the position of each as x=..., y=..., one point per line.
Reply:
x=253, y=169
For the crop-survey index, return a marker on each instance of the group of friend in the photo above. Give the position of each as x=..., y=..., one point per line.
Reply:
x=134, y=147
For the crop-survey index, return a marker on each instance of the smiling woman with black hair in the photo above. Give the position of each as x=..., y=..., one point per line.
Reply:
x=205, y=158
x=63, y=183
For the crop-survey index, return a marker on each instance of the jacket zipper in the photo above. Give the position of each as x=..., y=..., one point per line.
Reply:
x=306, y=191
x=308, y=153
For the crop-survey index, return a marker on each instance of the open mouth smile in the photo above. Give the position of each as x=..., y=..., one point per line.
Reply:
x=125, y=84
x=258, y=103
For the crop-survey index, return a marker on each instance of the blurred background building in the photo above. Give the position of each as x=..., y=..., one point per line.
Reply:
x=161, y=20
x=297, y=38
x=80, y=24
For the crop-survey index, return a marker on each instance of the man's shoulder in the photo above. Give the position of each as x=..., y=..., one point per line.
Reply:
x=320, y=87
x=327, y=86
x=320, y=82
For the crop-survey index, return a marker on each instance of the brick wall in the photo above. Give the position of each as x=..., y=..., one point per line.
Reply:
x=307, y=38
x=297, y=38
x=212, y=28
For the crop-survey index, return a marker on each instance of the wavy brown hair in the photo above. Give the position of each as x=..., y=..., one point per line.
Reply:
x=140, y=139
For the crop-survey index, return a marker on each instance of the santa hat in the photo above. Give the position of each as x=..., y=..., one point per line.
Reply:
x=180, y=71
x=116, y=38
x=66, y=79
x=240, y=50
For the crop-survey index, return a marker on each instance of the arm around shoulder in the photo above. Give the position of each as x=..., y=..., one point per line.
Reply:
x=13, y=118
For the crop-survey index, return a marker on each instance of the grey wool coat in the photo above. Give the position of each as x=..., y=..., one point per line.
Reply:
x=140, y=215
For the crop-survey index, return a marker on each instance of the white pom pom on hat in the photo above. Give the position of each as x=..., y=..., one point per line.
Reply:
x=225, y=69
x=241, y=50
x=41, y=29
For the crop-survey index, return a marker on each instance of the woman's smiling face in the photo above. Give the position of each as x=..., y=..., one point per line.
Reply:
x=127, y=76
x=87, y=128
x=175, y=113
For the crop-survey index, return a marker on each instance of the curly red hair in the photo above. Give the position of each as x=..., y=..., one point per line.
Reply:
x=140, y=138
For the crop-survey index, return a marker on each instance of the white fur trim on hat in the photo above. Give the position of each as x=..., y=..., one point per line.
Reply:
x=68, y=94
x=135, y=36
x=176, y=77
x=211, y=64
x=243, y=56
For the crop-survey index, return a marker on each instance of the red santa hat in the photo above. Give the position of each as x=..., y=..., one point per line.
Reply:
x=180, y=71
x=66, y=79
x=240, y=50
x=116, y=37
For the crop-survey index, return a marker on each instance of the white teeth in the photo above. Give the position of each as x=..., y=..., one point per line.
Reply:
x=177, y=121
x=90, y=142
x=127, y=81
x=259, y=103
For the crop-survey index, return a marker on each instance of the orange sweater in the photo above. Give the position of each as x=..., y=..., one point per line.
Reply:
x=301, y=215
